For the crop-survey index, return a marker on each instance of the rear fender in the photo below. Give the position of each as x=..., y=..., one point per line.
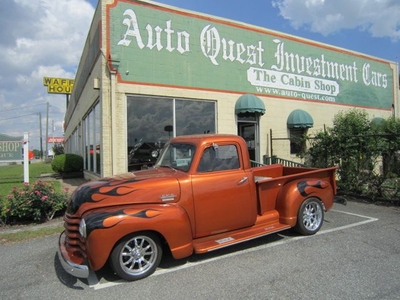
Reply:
x=292, y=195
x=106, y=227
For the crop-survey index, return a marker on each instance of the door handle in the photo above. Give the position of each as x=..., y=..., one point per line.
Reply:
x=243, y=180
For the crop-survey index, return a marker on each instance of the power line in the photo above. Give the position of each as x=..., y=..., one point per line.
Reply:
x=18, y=117
x=52, y=105
x=18, y=108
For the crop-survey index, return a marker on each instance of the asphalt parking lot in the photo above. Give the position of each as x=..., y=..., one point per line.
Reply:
x=356, y=255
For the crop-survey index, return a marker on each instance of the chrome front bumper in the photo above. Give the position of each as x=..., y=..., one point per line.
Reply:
x=81, y=271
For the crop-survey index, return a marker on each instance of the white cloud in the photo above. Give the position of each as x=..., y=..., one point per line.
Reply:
x=38, y=39
x=381, y=18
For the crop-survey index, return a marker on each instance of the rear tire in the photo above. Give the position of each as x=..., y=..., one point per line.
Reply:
x=136, y=256
x=310, y=217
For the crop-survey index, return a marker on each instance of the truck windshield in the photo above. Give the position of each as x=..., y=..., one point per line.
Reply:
x=177, y=156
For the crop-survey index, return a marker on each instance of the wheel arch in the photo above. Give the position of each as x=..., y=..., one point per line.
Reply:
x=137, y=255
x=295, y=192
x=149, y=218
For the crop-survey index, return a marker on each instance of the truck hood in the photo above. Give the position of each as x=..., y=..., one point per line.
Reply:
x=158, y=185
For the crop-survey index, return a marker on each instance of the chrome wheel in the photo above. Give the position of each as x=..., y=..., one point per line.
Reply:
x=136, y=256
x=310, y=216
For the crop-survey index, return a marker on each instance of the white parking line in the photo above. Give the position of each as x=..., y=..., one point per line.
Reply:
x=353, y=214
x=93, y=281
x=96, y=285
x=368, y=220
x=99, y=286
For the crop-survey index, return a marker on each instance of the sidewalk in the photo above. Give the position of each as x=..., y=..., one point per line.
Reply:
x=72, y=183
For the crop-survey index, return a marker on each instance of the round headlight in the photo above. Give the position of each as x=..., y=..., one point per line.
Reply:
x=154, y=153
x=82, y=228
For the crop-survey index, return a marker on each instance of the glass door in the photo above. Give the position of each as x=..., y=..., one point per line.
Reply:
x=249, y=131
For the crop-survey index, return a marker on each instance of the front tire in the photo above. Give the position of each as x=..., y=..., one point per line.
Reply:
x=310, y=217
x=136, y=256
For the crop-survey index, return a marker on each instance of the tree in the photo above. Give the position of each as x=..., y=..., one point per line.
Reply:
x=58, y=149
x=357, y=145
x=390, y=130
x=36, y=152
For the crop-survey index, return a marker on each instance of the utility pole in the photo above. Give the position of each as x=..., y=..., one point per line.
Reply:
x=47, y=131
x=41, y=138
x=52, y=128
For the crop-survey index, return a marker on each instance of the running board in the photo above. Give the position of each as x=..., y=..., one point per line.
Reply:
x=226, y=239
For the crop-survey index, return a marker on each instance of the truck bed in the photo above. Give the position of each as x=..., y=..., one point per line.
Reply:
x=270, y=179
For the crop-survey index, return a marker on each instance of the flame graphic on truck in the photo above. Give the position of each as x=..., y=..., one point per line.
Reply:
x=110, y=219
x=308, y=187
x=98, y=191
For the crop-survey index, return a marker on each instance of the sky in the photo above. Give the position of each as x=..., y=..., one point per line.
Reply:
x=45, y=39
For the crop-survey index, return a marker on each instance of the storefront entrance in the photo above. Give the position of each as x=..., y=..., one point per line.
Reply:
x=248, y=109
x=248, y=129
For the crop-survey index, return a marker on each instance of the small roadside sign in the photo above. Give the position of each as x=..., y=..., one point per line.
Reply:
x=58, y=85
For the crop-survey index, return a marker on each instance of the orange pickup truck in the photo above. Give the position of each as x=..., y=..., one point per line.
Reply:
x=201, y=195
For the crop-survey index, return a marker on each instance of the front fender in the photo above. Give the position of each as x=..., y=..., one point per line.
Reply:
x=295, y=192
x=106, y=227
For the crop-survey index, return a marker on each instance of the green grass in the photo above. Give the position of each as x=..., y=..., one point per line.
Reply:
x=13, y=176
x=28, y=234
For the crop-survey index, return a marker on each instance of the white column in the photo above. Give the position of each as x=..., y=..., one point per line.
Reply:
x=26, y=157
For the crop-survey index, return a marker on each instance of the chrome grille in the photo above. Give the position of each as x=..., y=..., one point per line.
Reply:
x=74, y=241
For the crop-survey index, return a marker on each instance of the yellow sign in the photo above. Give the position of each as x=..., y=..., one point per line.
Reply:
x=58, y=85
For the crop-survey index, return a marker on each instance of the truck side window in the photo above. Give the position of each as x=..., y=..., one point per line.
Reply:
x=224, y=157
x=206, y=162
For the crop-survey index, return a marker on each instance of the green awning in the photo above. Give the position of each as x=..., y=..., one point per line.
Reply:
x=299, y=119
x=249, y=104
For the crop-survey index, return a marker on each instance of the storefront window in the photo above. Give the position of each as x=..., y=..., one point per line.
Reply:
x=92, y=140
x=87, y=143
x=297, y=141
x=193, y=117
x=152, y=121
x=97, y=127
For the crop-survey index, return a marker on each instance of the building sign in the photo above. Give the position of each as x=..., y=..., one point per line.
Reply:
x=58, y=85
x=10, y=148
x=55, y=140
x=187, y=50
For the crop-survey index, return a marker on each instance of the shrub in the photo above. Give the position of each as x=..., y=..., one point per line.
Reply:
x=33, y=202
x=68, y=162
x=367, y=153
